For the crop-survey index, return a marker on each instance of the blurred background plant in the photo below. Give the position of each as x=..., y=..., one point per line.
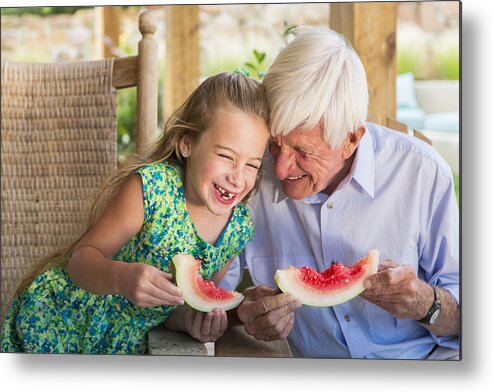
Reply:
x=41, y=11
x=426, y=55
x=446, y=49
x=259, y=65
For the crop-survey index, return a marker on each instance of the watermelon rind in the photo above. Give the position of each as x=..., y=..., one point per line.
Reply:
x=289, y=281
x=186, y=269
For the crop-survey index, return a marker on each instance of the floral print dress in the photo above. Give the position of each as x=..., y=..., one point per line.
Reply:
x=56, y=316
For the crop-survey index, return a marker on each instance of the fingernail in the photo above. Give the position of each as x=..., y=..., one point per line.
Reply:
x=367, y=284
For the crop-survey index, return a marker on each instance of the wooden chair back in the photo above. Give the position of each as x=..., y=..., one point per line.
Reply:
x=392, y=123
x=59, y=143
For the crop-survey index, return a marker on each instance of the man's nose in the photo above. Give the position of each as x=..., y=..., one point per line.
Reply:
x=283, y=164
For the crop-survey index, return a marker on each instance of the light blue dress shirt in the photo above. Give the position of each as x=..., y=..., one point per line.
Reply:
x=398, y=198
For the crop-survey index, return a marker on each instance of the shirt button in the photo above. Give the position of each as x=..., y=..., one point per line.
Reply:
x=347, y=318
x=330, y=205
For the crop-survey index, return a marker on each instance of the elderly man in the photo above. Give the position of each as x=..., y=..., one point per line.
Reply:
x=335, y=187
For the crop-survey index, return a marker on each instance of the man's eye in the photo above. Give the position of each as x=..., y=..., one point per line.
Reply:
x=226, y=156
x=303, y=153
x=254, y=166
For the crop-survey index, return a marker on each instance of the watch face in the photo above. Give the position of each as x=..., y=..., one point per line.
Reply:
x=434, y=316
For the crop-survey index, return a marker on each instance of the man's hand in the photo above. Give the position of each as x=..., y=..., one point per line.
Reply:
x=267, y=314
x=396, y=289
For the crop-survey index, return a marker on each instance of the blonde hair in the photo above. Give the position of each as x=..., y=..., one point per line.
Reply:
x=317, y=77
x=191, y=119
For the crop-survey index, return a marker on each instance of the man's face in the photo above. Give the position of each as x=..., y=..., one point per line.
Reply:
x=304, y=163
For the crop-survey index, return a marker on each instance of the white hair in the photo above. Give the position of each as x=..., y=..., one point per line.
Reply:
x=318, y=77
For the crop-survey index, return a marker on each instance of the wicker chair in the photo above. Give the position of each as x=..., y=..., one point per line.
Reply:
x=59, y=141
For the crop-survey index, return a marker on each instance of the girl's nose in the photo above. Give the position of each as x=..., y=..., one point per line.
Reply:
x=235, y=177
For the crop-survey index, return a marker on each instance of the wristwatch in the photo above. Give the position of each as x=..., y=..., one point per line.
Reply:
x=434, y=312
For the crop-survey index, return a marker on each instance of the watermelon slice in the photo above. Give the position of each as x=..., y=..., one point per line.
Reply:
x=334, y=286
x=201, y=294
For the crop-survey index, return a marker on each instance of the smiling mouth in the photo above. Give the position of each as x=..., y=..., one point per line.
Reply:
x=294, y=178
x=224, y=193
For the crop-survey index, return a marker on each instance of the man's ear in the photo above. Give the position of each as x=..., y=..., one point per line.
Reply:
x=351, y=142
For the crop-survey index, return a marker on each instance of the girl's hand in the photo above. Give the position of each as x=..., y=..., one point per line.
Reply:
x=205, y=327
x=145, y=286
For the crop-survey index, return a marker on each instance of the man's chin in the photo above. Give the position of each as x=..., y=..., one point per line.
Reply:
x=294, y=192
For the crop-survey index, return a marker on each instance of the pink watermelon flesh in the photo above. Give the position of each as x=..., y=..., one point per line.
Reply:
x=208, y=289
x=334, y=286
x=200, y=294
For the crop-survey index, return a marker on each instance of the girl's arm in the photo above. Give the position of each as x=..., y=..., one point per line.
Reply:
x=91, y=266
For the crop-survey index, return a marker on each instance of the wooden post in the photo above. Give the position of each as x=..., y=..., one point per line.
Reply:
x=182, y=55
x=107, y=31
x=371, y=28
x=147, y=88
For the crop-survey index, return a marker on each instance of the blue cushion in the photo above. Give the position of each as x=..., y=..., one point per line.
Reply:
x=412, y=117
x=406, y=97
x=443, y=121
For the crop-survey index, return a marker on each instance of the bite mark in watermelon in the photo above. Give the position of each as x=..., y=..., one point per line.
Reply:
x=335, y=285
x=200, y=294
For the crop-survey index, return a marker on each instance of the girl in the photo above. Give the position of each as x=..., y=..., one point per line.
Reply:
x=110, y=288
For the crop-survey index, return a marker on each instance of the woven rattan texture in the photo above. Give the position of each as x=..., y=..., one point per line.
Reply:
x=58, y=143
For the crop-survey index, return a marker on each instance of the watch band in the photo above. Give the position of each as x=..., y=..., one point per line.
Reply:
x=434, y=311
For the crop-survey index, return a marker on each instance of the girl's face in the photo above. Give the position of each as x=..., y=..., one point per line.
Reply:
x=222, y=165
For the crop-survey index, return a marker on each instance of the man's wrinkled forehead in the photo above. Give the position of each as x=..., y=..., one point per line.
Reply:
x=300, y=137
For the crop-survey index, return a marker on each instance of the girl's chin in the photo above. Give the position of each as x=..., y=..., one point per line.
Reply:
x=219, y=210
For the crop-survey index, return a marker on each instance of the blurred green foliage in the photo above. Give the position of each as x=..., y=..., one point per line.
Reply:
x=428, y=57
x=257, y=67
x=259, y=64
x=444, y=64
x=448, y=63
x=408, y=61
x=42, y=11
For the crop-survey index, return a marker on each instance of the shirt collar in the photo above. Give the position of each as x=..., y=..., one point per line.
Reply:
x=317, y=198
x=364, y=164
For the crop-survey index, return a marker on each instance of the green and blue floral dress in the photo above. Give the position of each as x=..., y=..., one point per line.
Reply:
x=53, y=315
